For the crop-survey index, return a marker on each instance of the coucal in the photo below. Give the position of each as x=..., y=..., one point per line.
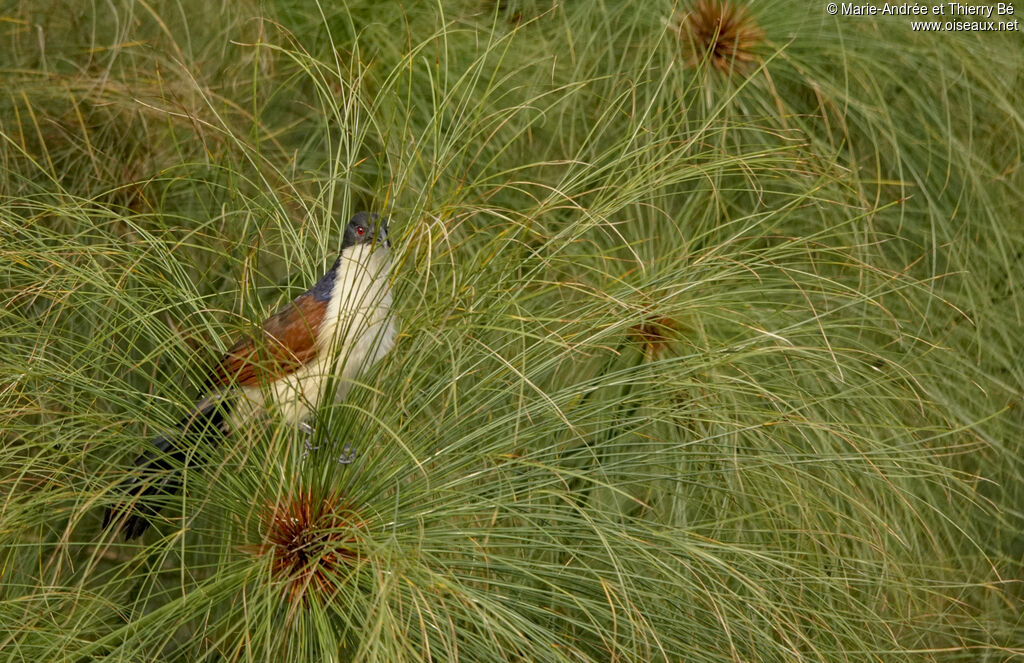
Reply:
x=325, y=336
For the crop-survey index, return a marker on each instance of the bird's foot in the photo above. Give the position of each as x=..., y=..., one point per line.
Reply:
x=308, y=442
x=348, y=455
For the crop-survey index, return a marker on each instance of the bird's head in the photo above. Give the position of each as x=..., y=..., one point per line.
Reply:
x=366, y=228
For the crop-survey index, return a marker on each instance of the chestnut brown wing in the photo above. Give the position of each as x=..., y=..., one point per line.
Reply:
x=288, y=342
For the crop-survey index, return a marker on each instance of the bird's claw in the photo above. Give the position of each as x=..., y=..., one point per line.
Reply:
x=308, y=441
x=348, y=455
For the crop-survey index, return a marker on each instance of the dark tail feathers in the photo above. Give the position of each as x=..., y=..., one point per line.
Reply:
x=159, y=470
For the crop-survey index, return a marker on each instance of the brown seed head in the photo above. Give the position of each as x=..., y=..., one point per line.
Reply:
x=654, y=334
x=310, y=540
x=725, y=31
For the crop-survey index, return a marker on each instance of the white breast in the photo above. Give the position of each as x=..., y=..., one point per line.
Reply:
x=358, y=329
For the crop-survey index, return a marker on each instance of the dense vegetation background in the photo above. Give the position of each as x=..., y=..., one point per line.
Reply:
x=711, y=337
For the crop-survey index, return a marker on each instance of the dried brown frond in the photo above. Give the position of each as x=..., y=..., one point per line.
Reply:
x=724, y=31
x=310, y=540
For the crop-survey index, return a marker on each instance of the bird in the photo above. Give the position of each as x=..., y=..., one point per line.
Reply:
x=323, y=339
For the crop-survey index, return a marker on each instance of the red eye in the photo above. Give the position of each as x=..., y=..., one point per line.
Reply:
x=360, y=230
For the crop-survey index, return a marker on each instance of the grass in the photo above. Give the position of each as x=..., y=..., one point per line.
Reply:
x=698, y=361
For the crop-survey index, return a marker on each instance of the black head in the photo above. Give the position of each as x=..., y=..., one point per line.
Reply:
x=365, y=228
